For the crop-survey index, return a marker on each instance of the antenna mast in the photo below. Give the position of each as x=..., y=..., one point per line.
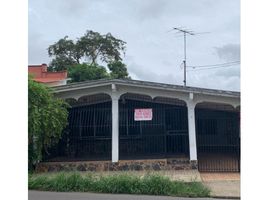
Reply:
x=185, y=32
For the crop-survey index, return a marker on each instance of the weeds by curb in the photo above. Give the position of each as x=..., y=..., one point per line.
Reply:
x=117, y=184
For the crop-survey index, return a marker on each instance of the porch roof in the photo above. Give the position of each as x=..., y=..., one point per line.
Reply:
x=144, y=84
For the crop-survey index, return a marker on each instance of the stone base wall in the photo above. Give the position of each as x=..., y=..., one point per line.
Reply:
x=194, y=164
x=122, y=165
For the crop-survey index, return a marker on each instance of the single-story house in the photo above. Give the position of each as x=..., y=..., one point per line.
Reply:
x=120, y=121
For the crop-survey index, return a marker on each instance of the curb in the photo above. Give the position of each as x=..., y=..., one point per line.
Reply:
x=225, y=197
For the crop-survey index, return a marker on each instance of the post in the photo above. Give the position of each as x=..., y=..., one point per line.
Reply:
x=184, y=62
x=192, y=132
x=115, y=126
x=184, y=66
x=184, y=31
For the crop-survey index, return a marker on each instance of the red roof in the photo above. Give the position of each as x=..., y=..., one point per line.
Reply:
x=40, y=74
x=47, y=80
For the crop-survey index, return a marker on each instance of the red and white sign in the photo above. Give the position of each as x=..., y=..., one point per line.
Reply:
x=143, y=114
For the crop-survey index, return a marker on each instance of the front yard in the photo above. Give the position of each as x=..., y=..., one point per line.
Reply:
x=120, y=183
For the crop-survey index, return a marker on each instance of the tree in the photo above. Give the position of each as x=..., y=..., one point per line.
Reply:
x=65, y=53
x=47, y=117
x=118, y=70
x=84, y=72
x=60, y=63
x=90, y=48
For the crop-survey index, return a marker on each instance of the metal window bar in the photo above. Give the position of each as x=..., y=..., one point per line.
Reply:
x=218, y=143
x=152, y=139
x=88, y=135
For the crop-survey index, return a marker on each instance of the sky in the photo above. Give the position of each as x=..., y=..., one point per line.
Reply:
x=154, y=52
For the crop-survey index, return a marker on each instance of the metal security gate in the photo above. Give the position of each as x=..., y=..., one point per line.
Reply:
x=218, y=140
x=166, y=135
x=88, y=135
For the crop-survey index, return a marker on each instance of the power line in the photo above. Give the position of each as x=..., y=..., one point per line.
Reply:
x=220, y=64
x=211, y=68
x=215, y=65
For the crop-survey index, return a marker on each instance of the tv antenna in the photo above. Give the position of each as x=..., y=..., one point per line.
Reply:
x=185, y=33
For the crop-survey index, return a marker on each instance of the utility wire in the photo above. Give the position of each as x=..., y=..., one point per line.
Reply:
x=211, y=68
x=216, y=65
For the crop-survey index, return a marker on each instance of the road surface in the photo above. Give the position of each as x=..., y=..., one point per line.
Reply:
x=37, y=195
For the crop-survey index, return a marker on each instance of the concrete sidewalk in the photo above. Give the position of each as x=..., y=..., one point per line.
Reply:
x=222, y=185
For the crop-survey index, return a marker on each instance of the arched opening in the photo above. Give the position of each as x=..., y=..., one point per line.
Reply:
x=94, y=99
x=217, y=135
x=152, y=128
x=89, y=132
x=71, y=101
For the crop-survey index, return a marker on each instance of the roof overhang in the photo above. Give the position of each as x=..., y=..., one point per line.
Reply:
x=144, y=84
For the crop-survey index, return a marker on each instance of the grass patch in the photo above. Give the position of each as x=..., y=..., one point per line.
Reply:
x=150, y=184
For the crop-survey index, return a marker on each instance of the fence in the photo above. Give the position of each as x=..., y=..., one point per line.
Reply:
x=88, y=135
x=218, y=140
x=166, y=135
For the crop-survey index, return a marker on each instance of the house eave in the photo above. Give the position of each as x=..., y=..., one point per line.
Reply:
x=145, y=84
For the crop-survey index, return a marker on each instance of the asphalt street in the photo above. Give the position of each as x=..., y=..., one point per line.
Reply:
x=37, y=195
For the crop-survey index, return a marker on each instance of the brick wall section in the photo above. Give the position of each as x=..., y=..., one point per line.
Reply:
x=125, y=165
x=40, y=74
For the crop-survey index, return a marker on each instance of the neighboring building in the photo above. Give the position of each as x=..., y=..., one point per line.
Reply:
x=135, y=125
x=41, y=75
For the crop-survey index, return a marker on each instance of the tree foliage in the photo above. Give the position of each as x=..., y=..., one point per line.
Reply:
x=90, y=48
x=83, y=72
x=47, y=117
x=60, y=63
x=118, y=70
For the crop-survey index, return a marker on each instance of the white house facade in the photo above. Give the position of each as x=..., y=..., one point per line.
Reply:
x=135, y=120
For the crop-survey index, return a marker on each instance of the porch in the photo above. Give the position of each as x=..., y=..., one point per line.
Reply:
x=89, y=133
x=182, y=130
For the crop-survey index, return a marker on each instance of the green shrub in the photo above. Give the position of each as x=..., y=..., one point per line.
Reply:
x=120, y=184
x=38, y=183
x=156, y=185
x=47, y=118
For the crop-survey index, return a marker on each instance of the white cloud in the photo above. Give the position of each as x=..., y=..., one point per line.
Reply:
x=155, y=53
x=229, y=52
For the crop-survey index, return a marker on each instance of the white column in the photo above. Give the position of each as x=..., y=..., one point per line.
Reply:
x=115, y=128
x=191, y=127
